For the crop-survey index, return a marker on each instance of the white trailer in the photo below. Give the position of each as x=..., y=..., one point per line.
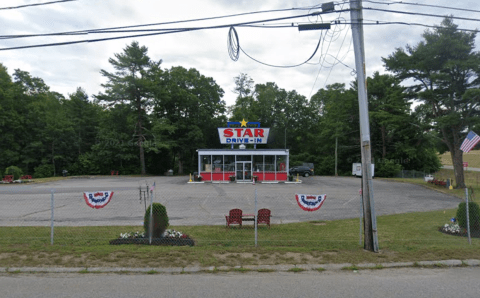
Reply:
x=357, y=170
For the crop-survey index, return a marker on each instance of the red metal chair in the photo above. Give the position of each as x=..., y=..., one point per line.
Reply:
x=234, y=217
x=263, y=216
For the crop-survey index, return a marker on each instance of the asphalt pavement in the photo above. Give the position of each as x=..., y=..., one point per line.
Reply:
x=205, y=203
x=432, y=280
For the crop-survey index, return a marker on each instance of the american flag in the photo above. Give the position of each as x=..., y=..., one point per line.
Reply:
x=152, y=187
x=470, y=141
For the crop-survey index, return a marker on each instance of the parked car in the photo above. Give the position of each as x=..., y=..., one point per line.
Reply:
x=301, y=170
x=311, y=166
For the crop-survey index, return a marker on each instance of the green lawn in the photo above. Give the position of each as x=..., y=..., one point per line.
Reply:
x=402, y=237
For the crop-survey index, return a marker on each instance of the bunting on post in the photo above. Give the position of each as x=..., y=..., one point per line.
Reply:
x=98, y=199
x=310, y=202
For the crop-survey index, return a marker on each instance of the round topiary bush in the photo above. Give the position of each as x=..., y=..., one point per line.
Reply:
x=160, y=220
x=474, y=215
x=15, y=171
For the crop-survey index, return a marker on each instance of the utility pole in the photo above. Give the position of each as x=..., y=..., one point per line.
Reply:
x=369, y=221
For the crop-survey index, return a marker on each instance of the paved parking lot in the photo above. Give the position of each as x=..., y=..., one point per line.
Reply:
x=198, y=204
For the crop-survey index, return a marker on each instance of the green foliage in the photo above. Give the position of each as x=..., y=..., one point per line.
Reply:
x=444, y=69
x=474, y=215
x=387, y=168
x=15, y=171
x=43, y=171
x=160, y=220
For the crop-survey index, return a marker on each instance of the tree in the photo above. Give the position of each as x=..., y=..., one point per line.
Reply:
x=338, y=123
x=132, y=83
x=192, y=103
x=395, y=145
x=445, y=69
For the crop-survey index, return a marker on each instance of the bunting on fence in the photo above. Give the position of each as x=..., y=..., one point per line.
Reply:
x=310, y=202
x=98, y=199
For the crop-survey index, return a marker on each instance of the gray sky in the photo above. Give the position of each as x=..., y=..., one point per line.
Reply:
x=64, y=68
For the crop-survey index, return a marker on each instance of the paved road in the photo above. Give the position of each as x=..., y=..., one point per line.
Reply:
x=468, y=168
x=199, y=204
x=392, y=283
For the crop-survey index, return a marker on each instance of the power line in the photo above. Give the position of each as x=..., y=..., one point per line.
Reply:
x=106, y=30
x=237, y=46
x=420, y=14
x=36, y=4
x=149, y=34
x=424, y=5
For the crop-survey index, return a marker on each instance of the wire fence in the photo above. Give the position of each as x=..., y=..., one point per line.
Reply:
x=114, y=209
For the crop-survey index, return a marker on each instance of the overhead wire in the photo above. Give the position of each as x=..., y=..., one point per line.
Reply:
x=272, y=65
x=324, y=57
x=36, y=4
x=109, y=29
x=424, y=5
x=151, y=34
x=420, y=14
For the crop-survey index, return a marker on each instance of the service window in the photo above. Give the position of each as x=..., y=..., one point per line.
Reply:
x=269, y=163
x=217, y=163
x=229, y=163
x=258, y=163
x=206, y=165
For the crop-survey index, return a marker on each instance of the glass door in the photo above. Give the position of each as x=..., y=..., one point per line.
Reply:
x=243, y=170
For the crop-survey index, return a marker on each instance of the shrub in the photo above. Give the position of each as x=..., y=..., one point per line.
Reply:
x=160, y=220
x=15, y=171
x=387, y=168
x=43, y=171
x=474, y=215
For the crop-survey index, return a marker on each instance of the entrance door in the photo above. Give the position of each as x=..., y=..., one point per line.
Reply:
x=244, y=170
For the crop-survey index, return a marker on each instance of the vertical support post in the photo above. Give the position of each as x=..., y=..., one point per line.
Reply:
x=370, y=222
x=256, y=219
x=336, y=155
x=52, y=218
x=361, y=218
x=150, y=228
x=468, y=217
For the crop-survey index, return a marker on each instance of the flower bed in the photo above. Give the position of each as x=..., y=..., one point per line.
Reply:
x=454, y=228
x=170, y=237
x=438, y=182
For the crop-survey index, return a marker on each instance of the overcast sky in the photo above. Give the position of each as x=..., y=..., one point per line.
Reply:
x=66, y=67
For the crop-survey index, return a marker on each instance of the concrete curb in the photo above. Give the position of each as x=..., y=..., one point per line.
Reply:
x=248, y=268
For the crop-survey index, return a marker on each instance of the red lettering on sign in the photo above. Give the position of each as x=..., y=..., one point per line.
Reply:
x=228, y=133
x=259, y=132
x=239, y=132
x=248, y=132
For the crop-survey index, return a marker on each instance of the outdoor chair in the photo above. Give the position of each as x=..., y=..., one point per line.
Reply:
x=234, y=217
x=263, y=216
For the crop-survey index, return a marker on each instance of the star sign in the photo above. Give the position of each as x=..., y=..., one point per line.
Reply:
x=244, y=123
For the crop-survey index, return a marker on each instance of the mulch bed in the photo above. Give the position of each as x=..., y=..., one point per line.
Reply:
x=155, y=241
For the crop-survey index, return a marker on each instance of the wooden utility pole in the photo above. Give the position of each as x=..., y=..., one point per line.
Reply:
x=369, y=221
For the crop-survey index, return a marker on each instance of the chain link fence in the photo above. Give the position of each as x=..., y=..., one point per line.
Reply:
x=71, y=212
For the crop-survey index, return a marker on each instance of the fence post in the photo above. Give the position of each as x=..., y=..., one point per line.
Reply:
x=256, y=219
x=150, y=229
x=52, y=207
x=468, y=217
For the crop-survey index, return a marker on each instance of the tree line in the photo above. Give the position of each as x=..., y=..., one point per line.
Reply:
x=148, y=119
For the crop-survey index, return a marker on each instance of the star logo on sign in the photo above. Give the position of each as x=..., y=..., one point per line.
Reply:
x=244, y=123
